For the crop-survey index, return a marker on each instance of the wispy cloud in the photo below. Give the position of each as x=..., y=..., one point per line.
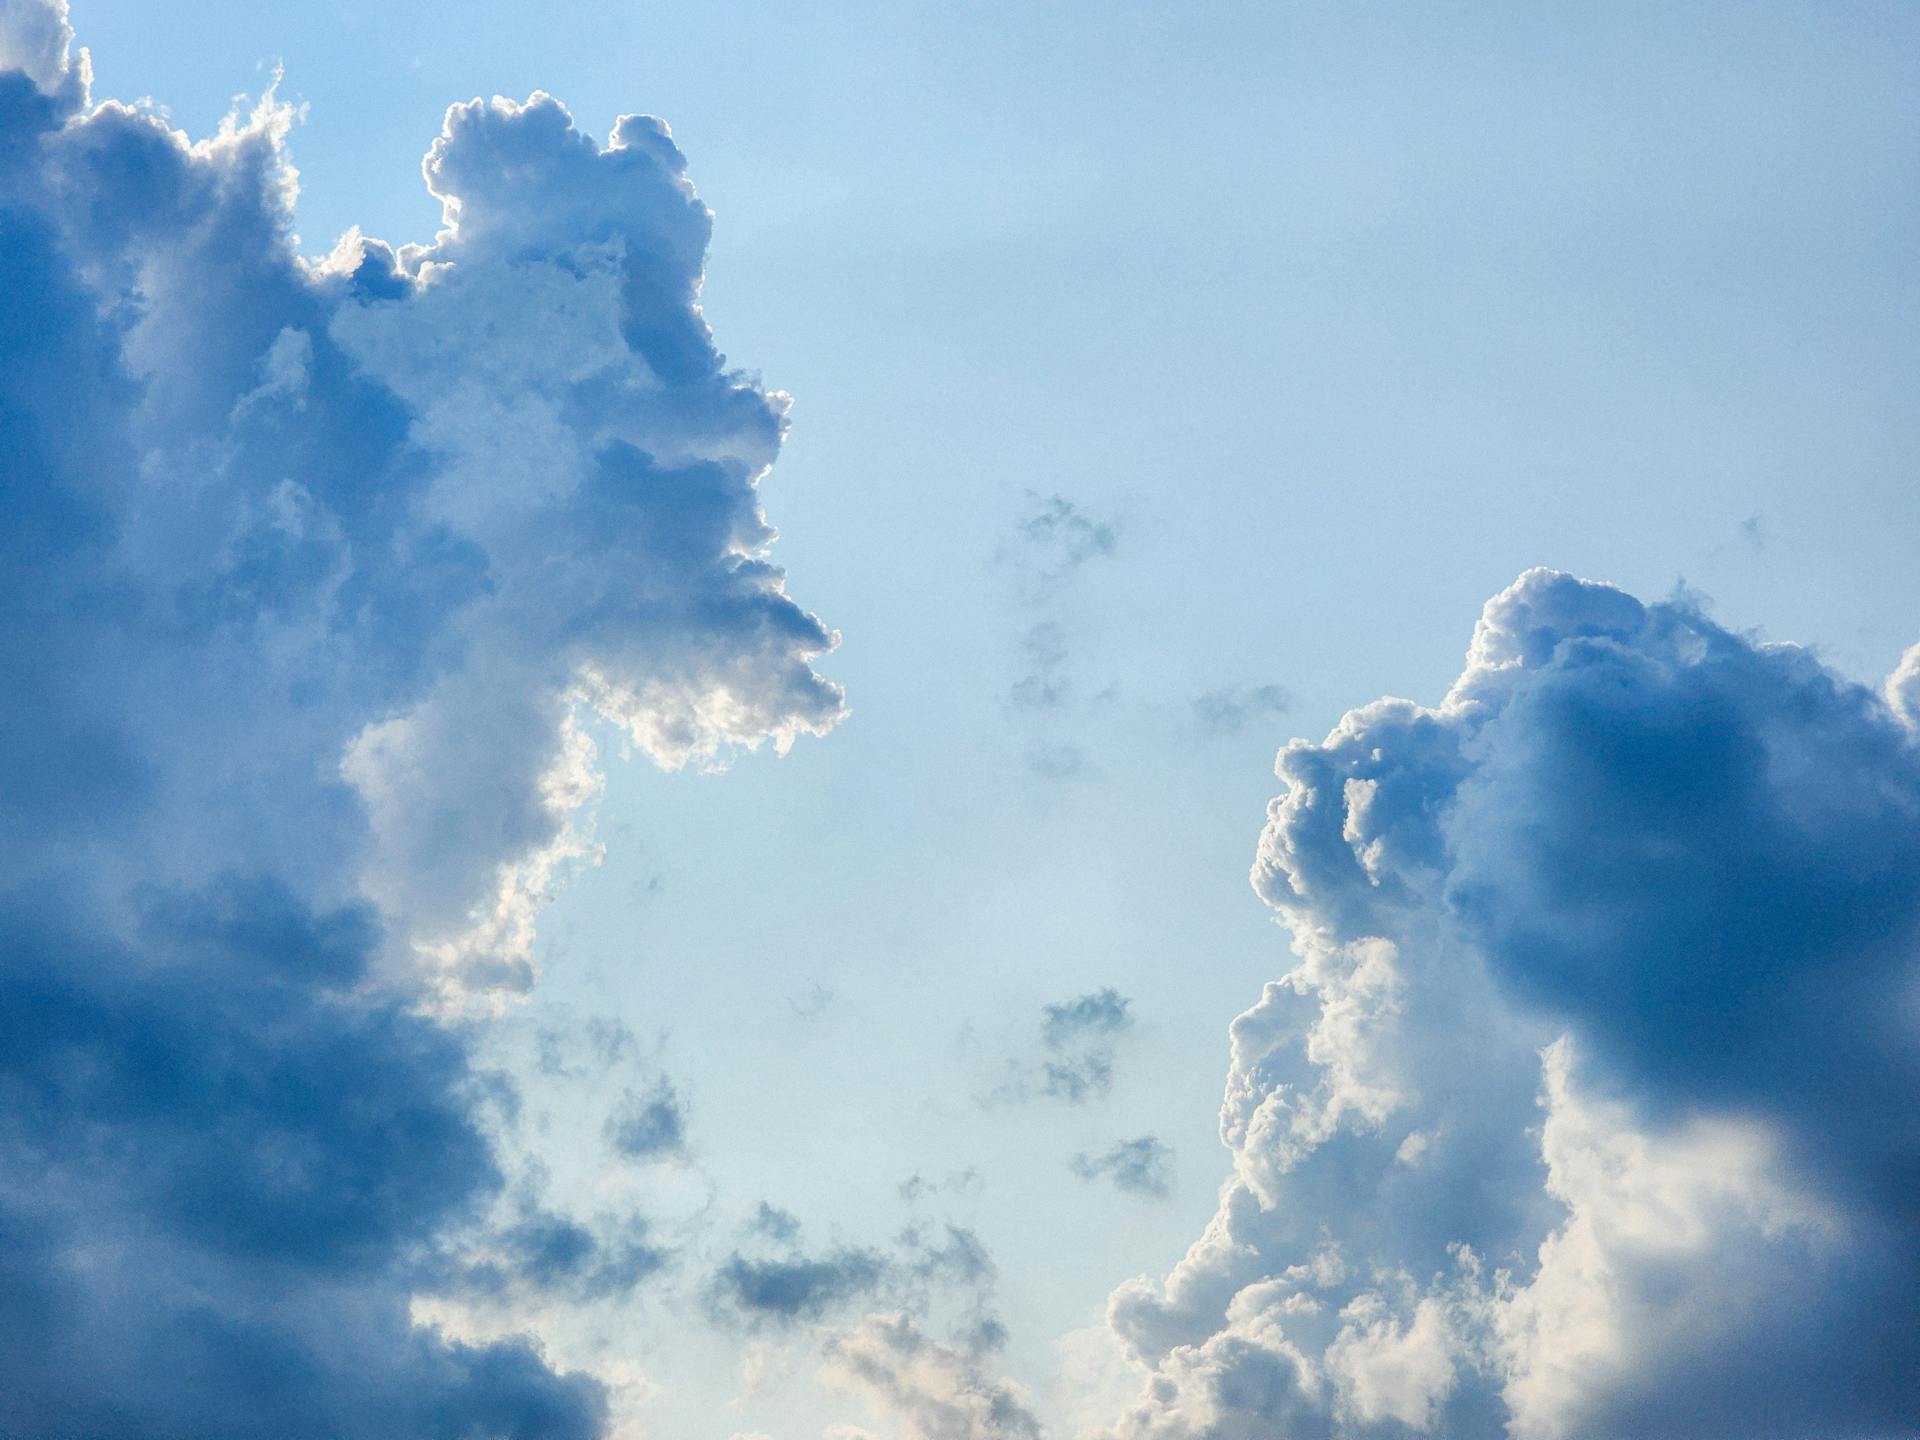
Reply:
x=1071, y=1055
x=1232, y=708
x=1049, y=546
x=1143, y=1166
x=649, y=1124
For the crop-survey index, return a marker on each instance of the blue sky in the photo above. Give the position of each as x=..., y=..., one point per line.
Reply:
x=760, y=1035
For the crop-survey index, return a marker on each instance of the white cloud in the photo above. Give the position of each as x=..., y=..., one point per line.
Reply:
x=1662, y=876
x=320, y=581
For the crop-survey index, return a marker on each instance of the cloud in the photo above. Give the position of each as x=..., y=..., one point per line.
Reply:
x=1230, y=709
x=1085, y=1017
x=795, y=1287
x=1046, y=684
x=1140, y=1167
x=931, y=1276
x=319, y=579
x=649, y=1126
x=926, y=1389
x=916, y=1187
x=543, y=1253
x=1588, y=1107
x=1049, y=547
x=1056, y=537
x=1055, y=760
x=1074, y=1058
x=776, y=1224
x=789, y=1289
x=1080, y=1033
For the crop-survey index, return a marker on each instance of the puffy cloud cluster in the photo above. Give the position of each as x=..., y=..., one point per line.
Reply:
x=1592, y=1105
x=316, y=576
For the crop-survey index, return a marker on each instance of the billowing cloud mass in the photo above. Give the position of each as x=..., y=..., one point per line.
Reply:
x=318, y=576
x=1592, y=1105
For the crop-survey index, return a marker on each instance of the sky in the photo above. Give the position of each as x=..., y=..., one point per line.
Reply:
x=634, y=750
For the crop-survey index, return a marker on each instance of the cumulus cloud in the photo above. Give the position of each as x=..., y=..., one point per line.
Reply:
x=1588, y=1108
x=1142, y=1167
x=318, y=579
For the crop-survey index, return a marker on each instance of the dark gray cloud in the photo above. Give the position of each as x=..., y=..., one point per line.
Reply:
x=1141, y=1167
x=1590, y=1107
x=308, y=571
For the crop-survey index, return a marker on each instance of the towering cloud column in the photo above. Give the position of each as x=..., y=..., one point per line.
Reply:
x=1592, y=1105
x=316, y=576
